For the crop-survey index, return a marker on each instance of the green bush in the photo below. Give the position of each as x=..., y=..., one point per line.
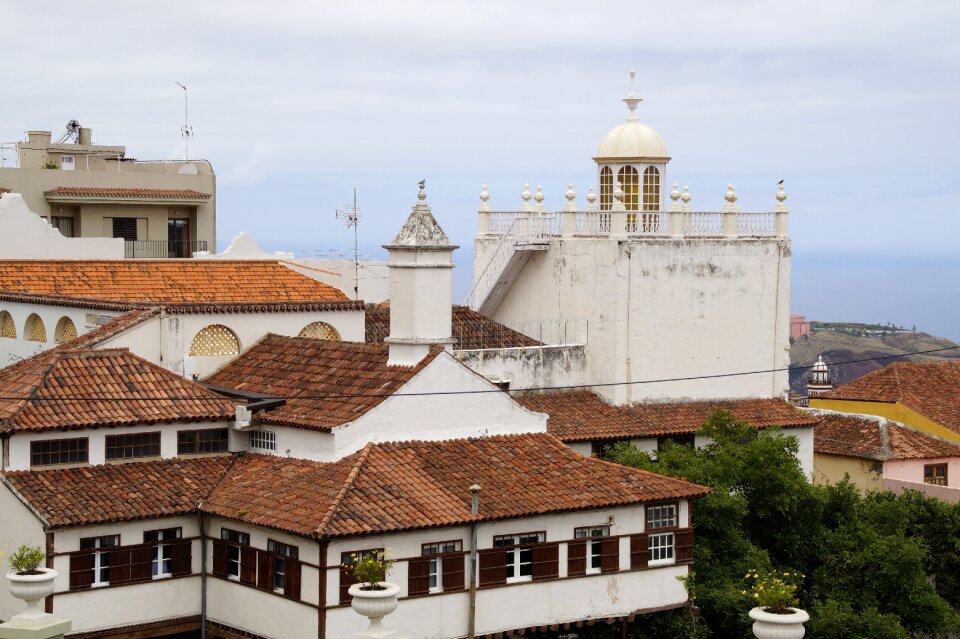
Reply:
x=27, y=559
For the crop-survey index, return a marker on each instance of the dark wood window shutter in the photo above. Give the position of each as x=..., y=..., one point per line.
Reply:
x=346, y=580
x=610, y=555
x=639, y=551
x=418, y=576
x=576, y=558
x=493, y=566
x=291, y=578
x=453, y=572
x=181, y=558
x=141, y=563
x=81, y=570
x=120, y=566
x=219, y=558
x=684, y=550
x=546, y=561
x=264, y=570
x=248, y=565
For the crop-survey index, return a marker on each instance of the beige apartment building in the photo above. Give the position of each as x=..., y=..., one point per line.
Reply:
x=162, y=209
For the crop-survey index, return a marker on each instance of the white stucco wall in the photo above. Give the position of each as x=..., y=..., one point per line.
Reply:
x=696, y=307
x=439, y=417
x=297, y=442
x=13, y=350
x=444, y=615
x=529, y=367
x=19, y=445
x=18, y=526
x=36, y=239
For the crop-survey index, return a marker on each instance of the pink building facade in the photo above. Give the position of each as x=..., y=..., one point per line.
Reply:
x=799, y=326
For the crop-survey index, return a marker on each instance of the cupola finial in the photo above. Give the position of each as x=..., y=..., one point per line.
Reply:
x=632, y=99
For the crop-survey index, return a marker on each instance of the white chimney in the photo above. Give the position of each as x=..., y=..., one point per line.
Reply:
x=421, y=287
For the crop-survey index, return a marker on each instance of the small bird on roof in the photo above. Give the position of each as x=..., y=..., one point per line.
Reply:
x=423, y=183
x=780, y=183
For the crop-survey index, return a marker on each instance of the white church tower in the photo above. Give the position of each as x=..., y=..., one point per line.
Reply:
x=665, y=291
x=421, y=286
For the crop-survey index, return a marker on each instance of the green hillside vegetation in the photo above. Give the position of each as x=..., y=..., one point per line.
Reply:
x=850, y=343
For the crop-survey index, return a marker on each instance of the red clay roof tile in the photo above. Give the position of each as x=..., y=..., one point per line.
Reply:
x=204, y=282
x=868, y=437
x=471, y=329
x=101, y=192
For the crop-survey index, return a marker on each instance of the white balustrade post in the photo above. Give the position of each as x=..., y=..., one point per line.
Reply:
x=483, y=215
x=781, y=212
x=675, y=214
x=569, y=217
x=618, y=214
x=522, y=227
x=730, y=212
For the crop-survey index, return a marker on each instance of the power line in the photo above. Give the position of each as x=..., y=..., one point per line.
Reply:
x=481, y=391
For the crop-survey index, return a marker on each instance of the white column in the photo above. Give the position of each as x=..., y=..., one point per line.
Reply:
x=730, y=212
x=781, y=212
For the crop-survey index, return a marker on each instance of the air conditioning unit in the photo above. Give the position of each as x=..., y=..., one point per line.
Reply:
x=243, y=417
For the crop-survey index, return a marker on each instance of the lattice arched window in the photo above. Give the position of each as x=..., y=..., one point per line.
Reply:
x=66, y=330
x=320, y=330
x=215, y=339
x=7, y=327
x=606, y=188
x=629, y=180
x=34, y=330
x=651, y=189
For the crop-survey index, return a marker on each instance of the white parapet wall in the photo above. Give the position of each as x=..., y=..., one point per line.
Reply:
x=36, y=239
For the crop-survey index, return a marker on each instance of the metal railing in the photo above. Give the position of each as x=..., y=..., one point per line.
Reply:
x=162, y=249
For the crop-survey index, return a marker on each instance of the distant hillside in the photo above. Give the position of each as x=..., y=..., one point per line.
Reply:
x=853, y=343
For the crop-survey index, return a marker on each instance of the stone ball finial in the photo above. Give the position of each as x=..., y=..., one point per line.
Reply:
x=484, y=194
x=781, y=194
x=539, y=196
x=422, y=195
x=686, y=197
x=675, y=193
x=570, y=194
x=526, y=194
x=591, y=196
x=731, y=194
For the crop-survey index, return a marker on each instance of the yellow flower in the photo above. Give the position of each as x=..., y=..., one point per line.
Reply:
x=756, y=595
x=743, y=592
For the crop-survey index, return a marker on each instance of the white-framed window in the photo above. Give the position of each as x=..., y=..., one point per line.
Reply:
x=594, y=536
x=660, y=547
x=263, y=440
x=235, y=540
x=101, y=557
x=282, y=551
x=67, y=163
x=519, y=549
x=162, y=562
x=435, y=567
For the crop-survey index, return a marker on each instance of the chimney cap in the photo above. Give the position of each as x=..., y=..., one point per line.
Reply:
x=475, y=489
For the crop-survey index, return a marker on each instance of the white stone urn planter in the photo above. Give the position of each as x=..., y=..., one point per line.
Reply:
x=32, y=589
x=374, y=604
x=769, y=625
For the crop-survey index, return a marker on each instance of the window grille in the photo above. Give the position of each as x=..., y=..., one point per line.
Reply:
x=133, y=445
x=215, y=339
x=662, y=516
x=47, y=452
x=66, y=330
x=651, y=189
x=38, y=332
x=629, y=180
x=606, y=189
x=263, y=440
x=660, y=548
x=935, y=474
x=320, y=330
x=7, y=327
x=194, y=442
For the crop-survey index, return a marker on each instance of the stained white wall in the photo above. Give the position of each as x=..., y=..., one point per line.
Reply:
x=18, y=526
x=13, y=350
x=439, y=417
x=300, y=442
x=20, y=442
x=528, y=367
x=696, y=307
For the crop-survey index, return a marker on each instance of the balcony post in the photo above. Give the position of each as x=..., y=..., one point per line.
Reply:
x=730, y=212
x=618, y=214
x=675, y=214
x=569, y=215
x=781, y=212
x=483, y=215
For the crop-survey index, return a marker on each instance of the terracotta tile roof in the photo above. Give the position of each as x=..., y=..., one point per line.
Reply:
x=291, y=366
x=165, y=194
x=168, y=282
x=118, y=492
x=931, y=389
x=869, y=437
x=471, y=329
x=411, y=485
x=583, y=416
x=126, y=387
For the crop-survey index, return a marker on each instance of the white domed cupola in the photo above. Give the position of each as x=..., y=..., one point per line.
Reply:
x=634, y=156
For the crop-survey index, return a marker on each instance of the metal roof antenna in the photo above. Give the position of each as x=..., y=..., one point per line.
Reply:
x=351, y=218
x=186, y=131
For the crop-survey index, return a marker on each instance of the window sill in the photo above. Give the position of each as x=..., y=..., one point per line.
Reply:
x=661, y=562
x=434, y=591
x=594, y=571
x=519, y=580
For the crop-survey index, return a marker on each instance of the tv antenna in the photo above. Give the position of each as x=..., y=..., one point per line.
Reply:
x=351, y=219
x=186, y=131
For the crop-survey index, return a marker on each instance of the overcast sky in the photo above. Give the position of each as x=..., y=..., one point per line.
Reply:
x=854, y=104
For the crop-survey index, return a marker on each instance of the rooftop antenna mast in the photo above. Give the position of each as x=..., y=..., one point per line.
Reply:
x=186, y=131
x=351, y=218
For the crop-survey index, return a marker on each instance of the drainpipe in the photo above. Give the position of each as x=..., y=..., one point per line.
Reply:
x=629, y=339
x=203, y=574
x=474, y=510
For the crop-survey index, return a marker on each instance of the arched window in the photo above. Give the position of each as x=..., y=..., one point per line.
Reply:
x=629, y=181
x=215, y=339
x=651, y=197
x=7, y=327
x=606, y=188
x=66, y=331
x=320, y=330
x=34, y=330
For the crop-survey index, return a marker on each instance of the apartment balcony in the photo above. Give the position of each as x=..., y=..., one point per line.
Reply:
x=162, y=249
